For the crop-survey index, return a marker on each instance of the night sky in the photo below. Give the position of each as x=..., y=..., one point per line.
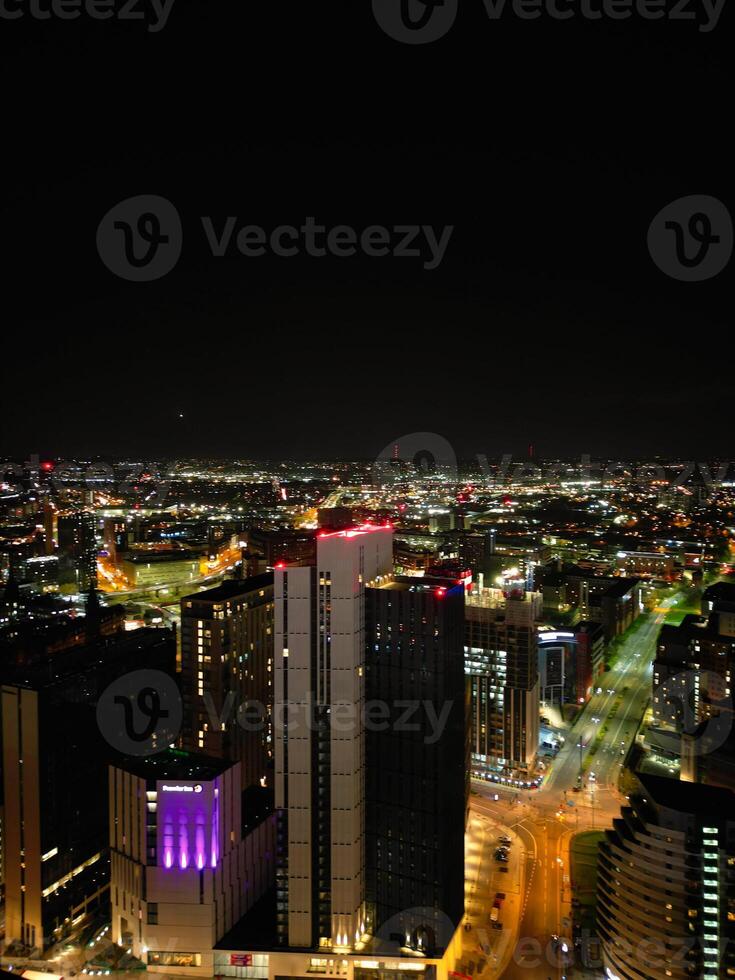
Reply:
x=548, y=145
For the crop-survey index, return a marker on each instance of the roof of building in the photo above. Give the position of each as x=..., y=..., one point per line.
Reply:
x=232, y=588
x=621, y=587
x=424, y=583
x=724, y=591
x=357, y=531
x=695, y=798
x=175, y=764
x=694, y=626
x=49, y=670
x=588, y=626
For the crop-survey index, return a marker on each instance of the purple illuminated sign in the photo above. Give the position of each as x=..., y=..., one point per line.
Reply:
x=188, y=824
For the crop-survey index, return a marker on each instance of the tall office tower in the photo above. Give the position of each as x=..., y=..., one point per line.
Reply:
x=55, y=780
x=78, y=542
x=417, y=760
x=50, y=531
x=320, y=742
x=666, y=884
x=185, y=862
x=502, y=662
x=226, y=674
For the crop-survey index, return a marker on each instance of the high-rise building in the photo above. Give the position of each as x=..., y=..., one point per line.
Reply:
x=501, y=660
x=417, y=759
x=693, y=671
x=320, y=765
x=226, y=674
x=666, y=884
x=77, y=541
x=187, y=857
x=371, y=803
x=55, y=776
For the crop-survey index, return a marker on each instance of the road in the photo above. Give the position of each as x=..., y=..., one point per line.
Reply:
x=545, y=820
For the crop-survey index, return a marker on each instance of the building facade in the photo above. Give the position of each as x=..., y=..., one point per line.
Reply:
x=320, y=766
x=337, y=886
x=226, y=674
x=55, y=772
x=501, y=659
x=692, y=672
x=417, y=759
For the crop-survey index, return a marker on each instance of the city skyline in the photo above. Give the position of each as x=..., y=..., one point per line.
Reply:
x=367, y=491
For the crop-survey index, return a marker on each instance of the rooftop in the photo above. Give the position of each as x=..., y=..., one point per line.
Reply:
x=354, y=532
x=695, y=798
x=232, y=588
x=175, y=764
x=723, y=591
x=413, y=583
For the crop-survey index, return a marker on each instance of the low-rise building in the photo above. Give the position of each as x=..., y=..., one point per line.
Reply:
x=190, y=855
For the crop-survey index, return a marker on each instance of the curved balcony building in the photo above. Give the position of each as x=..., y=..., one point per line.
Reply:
x=666, y=884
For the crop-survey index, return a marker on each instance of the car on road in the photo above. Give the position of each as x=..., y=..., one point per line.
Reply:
x=503, y=870
x=497, y=925
x=494, y=913
x=505, y=839
x=499, y=899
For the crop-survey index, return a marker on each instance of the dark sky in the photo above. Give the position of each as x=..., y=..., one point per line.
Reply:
x=548, y=145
